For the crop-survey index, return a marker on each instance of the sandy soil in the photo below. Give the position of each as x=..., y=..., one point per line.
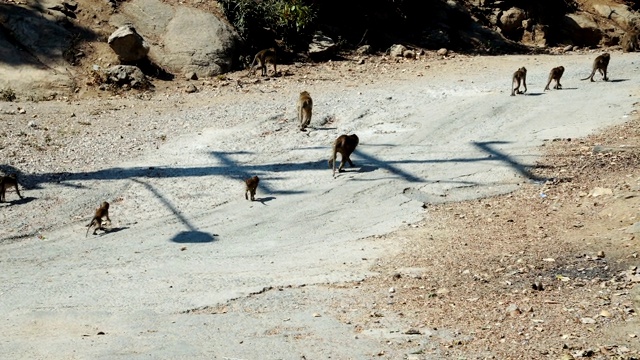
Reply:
x=381, y=261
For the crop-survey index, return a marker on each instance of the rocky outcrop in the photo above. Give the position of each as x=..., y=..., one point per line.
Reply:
x=32, y=51
x=549, y=23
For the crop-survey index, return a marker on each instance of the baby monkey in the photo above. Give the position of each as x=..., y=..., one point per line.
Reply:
x=555, y=74
x=305, y=106
x=345, y=145
x=251, y=186
x=519, y=76
x=262, y=58
x=5, y=183
x=102, y=211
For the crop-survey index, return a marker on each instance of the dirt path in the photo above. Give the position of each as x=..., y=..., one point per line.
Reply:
x=185, y=240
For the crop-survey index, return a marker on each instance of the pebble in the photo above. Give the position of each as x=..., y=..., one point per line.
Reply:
x=587, y=320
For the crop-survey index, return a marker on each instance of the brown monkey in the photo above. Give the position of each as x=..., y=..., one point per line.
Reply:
x=519, y=76
x=7, y=182
x=262, y=58
x=600, y=63
x=555, y=74
x=345, y=145
x=102, y=211
x=252, y=185
x=305, y=105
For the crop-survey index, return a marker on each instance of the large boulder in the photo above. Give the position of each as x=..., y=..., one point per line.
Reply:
x=581, y=29
x=622, y=15
x=511, y=20
x=184, y=39
x=128, y=44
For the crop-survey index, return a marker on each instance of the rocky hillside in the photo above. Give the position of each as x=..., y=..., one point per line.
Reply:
x=65, y=48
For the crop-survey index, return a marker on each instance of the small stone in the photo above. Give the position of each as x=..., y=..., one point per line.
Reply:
x=600, y=254
x=22, y=111
x=361, y=61
x=412, y=331
x=316, y=315
x=191, y=76
x=599, y=191
x=587, y=320
x=605, y=313
x=409, y=54
x=190, y=89
x=633, y=335
x=32, y=124
x=567, y=357
x=513, y=310
x=72, y=115
x=364, y=49
x=392, y=290
x=442, y=52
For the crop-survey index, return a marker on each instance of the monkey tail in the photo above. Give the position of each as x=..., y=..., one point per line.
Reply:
x=334, y=158
x=255, y=58
x=89, y=227
x=593, y=73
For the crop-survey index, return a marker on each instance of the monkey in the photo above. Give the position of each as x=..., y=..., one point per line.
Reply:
x=345, y=145
x=600, y=63
x=252, y=185
x=262, y=58
x=5, y=183
x=102, y=211
x=305, y=105
x=519, y=76
x=555, y=74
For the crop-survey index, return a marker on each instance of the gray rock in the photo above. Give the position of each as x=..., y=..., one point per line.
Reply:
x=321, y=45
x=190, y=89
x=191, y=76
x=397, y=50
x=512, y=19
x=128, y=44
x=409, y=54
x=364, y=49
x=189, y=40
x=443, y=52
x=126, y=74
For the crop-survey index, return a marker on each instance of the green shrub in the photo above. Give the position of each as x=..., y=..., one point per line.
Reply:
x=288, y=20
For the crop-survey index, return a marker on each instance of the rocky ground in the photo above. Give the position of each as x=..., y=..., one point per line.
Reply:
x=547, y=271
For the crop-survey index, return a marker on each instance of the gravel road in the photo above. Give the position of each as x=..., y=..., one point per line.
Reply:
x=184, y=241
